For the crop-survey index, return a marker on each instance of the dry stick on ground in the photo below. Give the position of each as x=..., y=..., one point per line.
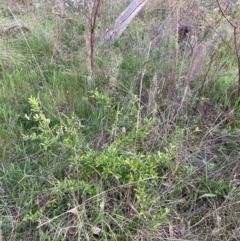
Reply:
x=5, y=28
x=236, y=45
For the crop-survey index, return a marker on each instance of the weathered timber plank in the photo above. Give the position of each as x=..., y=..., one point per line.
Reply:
x=124, y=19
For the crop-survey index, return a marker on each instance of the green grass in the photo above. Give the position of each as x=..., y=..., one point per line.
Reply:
x=141, y=153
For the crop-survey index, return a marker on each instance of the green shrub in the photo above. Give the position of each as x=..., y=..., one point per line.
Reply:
x=116, y=165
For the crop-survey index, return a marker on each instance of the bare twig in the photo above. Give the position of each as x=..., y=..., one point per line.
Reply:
x=236, y=45
x=94, y=14
x=203, y=82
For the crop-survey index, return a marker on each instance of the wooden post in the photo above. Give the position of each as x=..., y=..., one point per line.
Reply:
x=124, y=19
